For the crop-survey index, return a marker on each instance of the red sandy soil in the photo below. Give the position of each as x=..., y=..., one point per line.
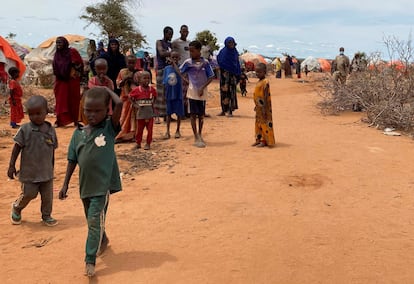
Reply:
x=331, y=203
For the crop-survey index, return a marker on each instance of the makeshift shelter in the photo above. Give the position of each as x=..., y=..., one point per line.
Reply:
x=316, y=64
x=312, y=62
x=324, y=64
x=10, y=58
x=39, y=60
x=397, y=65
x=21, y=50
x=253, y=57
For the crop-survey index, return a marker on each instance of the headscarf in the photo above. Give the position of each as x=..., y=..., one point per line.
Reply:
x=62, y=60
x=116, y=60
x=109, y=49
x=228, y=58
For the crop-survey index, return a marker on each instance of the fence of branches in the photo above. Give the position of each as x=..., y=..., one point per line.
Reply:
x=383, y=90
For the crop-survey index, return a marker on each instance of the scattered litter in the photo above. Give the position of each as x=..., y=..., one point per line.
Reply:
x=391, y=133
x=39, y=243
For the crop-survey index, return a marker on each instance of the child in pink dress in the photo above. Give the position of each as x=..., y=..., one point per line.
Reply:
x=100, y=79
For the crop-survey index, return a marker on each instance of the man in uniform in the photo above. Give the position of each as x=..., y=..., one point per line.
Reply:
x=340, y=67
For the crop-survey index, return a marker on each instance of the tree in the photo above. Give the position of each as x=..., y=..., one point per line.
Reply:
x=114, y=20
x=208, y=39
x=11, y=36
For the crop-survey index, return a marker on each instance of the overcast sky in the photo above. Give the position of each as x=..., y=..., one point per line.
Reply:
x=269, y=27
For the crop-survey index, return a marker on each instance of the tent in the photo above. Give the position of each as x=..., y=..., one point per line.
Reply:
x=253, y=57
x=21, y=50
x=312, y=62
x=316, y=64
x=396, y=64
x=45, y=51
x=324, y=64
x=10, y=58
x=39, y=60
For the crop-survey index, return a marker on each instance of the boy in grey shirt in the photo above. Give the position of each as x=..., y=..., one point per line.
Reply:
x=36, y=141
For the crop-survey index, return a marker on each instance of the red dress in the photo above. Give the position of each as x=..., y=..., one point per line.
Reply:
x=137, y=94
x=67, y=93
x=16, y=108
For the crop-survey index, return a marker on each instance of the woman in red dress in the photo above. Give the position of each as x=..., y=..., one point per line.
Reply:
x=68, y=69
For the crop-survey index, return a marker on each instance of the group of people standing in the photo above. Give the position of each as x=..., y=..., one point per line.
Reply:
x=182, y=79
x=118, y=99
x=68, y=68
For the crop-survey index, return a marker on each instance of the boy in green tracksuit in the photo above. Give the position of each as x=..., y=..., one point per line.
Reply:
x=92, y=148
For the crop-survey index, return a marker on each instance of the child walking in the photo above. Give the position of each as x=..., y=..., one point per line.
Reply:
x=263, y=106
x=100, y=79
x=92, y=148
x=124, y=82
x=174, y=95
x=36, y=141
x=243, y=82
x=200, y=74
x=15, y=98
x=143, y=98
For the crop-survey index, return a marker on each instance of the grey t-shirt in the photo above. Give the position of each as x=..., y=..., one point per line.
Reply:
x=38, y=152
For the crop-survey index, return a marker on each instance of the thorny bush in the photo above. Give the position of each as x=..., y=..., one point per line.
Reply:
x=384, y=90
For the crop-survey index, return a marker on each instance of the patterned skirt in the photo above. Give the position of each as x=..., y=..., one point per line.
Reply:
x=160, y=104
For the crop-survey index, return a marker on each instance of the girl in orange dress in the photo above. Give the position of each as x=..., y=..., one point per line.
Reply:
x=263, y=106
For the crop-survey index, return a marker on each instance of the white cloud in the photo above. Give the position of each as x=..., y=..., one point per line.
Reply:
x=313, y=27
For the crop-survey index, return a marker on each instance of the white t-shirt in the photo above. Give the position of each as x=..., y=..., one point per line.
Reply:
x=182, y=47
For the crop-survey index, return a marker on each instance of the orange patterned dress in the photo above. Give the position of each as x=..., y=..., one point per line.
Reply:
x=264, y=131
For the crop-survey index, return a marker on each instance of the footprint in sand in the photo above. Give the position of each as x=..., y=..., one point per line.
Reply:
x=311, y=181
x=375, y=149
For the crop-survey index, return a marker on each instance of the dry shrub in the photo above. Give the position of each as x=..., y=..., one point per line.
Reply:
x=384, y=91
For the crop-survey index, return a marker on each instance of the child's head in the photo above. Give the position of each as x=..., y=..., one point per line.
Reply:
x=101, y=67
x=37, y=109
x=261, y=70
x=175, y=56
x=136, y=78
x=14, y=72
x=195, y=49
x=131, y=60
x=145, y=78
x=95, y=105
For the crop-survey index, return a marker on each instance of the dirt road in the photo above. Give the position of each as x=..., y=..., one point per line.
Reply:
x=331, y=203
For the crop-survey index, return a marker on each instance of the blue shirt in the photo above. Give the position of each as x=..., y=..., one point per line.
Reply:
x=173, y=84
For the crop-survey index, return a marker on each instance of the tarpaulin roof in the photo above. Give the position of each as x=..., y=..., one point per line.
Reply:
x=253, y=57
x=10, y=57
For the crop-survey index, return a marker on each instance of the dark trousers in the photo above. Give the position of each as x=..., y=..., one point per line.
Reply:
x=95, y=211
x=30, y=191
